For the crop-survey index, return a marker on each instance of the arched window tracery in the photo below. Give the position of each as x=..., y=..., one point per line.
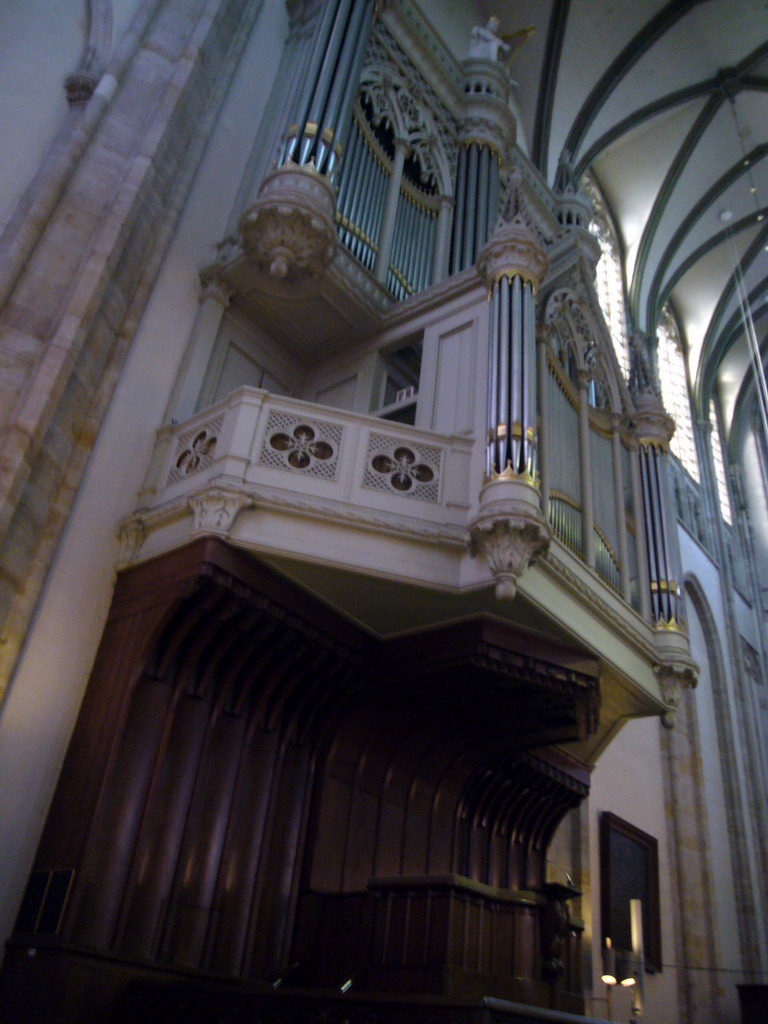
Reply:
x=674, y=391
x=598, y=392
x=609, y=278
x=585, y=460
x=395, y=171
x=717, y=457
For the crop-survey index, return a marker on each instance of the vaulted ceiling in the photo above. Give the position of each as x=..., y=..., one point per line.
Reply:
x=666, y=103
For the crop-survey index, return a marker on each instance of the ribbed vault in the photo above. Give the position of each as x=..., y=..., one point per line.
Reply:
x=665, y=103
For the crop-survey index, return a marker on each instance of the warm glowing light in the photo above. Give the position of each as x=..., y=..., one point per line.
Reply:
x=609, y=964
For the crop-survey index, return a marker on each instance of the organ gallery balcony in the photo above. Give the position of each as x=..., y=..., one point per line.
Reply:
x=371, y=516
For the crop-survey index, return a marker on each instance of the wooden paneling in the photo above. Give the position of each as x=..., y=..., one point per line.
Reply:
x=246, y=761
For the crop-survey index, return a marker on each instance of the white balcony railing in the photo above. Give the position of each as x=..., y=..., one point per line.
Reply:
x=258, y=448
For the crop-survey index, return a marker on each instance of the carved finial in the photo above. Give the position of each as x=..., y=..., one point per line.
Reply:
x=643, y=372
x=515, y=209
x=565, y=179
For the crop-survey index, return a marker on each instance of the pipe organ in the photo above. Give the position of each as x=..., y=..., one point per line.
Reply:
x=665, y=591
x=387, y=214
x=487, y=135
x=363, y=183
x=586, y=475
x=477, y=202
x=512, y=378
x=320, y=120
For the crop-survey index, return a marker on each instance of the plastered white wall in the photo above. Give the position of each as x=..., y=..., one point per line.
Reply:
x=40, y=44
x=123, y=12
x=628, y=781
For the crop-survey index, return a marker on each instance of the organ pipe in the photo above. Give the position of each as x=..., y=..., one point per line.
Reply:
x=456, y=262
x=477, y=202
x=587, y=508
x=321, y=116
x=665, y=593
x=386, y=235
x=511, y=413
x=468, y=247
x=621, y=519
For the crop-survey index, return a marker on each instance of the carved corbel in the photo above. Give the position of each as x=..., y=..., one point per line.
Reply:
x=215, y=510
x=510, y=531
x=130, y=537
x=675, y=669
x=79, y=87
x=290, y=231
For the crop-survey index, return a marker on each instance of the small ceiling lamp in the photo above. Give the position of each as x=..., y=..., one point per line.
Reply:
x=609, y=964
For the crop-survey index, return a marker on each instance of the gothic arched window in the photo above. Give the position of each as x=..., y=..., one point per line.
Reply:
x=674, y=391
x=609, y=279
x=719, y=461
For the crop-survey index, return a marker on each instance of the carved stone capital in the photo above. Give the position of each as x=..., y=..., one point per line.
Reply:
x=514, y=247
x=651, y=423
x=130, y=536
x=290, y=231
x=214, y=287
x=215, y=509
x=80, y=86
x=509, y=530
